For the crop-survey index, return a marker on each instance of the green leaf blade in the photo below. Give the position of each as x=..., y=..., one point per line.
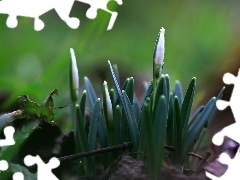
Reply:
x=179, y=132
x=198, y=125
x=187, y=105
x=92, y=135
x=178, y=92
x=132, y=123
x=160, y=130
x=90, y=91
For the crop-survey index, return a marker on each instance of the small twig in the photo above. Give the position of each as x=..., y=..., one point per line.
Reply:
x=170, y=148
x=125, y=145
x=197, y=156
x=60, y=107
x=207, y=155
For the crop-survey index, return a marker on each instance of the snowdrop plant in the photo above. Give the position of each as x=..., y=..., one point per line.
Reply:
x=159, y=51
x=161, y=122
x=74, y=78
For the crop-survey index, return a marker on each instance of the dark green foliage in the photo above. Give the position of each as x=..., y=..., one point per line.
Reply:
x=161, y=119
x=34, y=110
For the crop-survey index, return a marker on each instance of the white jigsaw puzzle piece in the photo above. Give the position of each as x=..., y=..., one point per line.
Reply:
x=3, y=165
x=233, y=167
x=18, y=176
x=235, y=98
x=36, y=8
x=44, y=170
x=232, y=131
x=101, y=4
x=8, y=132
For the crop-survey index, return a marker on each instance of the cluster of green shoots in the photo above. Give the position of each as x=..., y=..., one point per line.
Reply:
x=161, y=122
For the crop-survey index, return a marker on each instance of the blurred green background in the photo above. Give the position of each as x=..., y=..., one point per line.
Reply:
x=198, y=35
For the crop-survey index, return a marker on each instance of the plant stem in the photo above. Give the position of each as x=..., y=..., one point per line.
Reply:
x=125, y=145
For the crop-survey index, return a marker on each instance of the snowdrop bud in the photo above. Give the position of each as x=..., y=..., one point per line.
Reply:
x=74, y=78
x=159, y=48
x=107, y=102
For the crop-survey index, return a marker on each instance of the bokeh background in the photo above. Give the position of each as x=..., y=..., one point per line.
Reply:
x=200, y=36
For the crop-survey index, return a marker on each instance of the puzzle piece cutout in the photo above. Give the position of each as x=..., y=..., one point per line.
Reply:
x=3, y=165
x=36, y=8
x=233, y=167
x=232, y=131
x=101, y=4
x=8, y=141
x=18, y=176
x=44, y=170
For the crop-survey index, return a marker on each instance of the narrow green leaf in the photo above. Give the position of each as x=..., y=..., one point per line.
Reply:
x=194, y=116
x=160, y=124
x=167, y=89
x=92, y=135
x=179, y=131
x=113, y=97
x=125, y=126
x=147, y=95
x=117, y=126
x=187, y=105
x=81, y=129
x=178, y=92
x=159, y=92
x=132, y=123
x=143, y=129
x=170, y=123
x=103, y=139
x=124, y=86
x=130, y=89
x=102, y=131
x=93, y=128
x=83, y=104
x=115, y=69
x=149, y=142
x=81, y=134
x=198, y=125
x=219, y=96
x=117, y=133
x=90, y=92
x=171, y=129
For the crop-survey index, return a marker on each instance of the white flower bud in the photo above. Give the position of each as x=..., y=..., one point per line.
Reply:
x=108, y=102
x=74, y=78
x=159, y=48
